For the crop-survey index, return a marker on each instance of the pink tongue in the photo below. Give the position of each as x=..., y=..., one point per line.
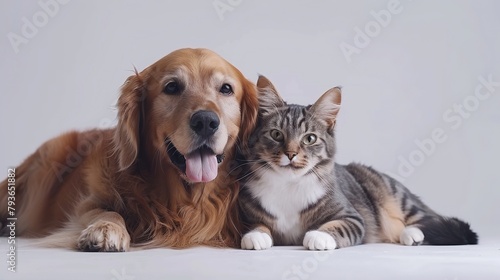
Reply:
x=201, y=166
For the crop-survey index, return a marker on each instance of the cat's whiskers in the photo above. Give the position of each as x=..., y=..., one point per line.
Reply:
x=246, y=162
x=320, y=177
x=253, y=173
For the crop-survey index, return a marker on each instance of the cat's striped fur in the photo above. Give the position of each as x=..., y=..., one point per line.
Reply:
x=294, y=193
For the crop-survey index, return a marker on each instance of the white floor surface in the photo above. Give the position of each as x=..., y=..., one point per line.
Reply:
x=372, y=261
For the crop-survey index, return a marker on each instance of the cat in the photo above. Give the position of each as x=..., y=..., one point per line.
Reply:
x=293, y=193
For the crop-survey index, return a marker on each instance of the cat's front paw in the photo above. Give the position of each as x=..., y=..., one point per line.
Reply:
x=319, y=240
x=411, y=236
x=256, y=240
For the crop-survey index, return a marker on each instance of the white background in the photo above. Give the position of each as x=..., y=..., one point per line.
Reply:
x=396, y=89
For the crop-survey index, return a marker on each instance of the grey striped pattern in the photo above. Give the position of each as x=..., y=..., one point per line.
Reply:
x=358, y=204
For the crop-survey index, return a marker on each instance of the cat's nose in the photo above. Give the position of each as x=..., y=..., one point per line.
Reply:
x=291, y=155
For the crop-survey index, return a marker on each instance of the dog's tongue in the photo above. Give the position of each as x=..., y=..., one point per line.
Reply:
x=201, y=166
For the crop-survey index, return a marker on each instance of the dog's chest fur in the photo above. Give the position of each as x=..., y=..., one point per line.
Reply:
x=285, y=197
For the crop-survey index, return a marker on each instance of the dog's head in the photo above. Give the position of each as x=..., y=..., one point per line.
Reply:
x=187, y=110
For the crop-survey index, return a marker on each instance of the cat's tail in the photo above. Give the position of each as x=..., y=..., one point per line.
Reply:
x=447, y=231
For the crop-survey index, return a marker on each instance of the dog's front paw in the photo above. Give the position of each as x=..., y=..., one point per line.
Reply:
x=319, y=240
x=256, y=240
x=411, y=236
x=104, y=237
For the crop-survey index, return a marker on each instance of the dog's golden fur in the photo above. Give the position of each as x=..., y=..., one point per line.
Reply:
x=105, y=190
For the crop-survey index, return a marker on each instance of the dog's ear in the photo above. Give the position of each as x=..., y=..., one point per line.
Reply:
x=126, y=138
x=269, y=98
x=249, y=111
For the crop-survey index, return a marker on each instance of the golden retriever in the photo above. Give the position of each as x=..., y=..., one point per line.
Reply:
x=159, y=178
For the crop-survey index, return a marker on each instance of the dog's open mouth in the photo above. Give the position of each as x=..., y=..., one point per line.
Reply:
x=200, y=165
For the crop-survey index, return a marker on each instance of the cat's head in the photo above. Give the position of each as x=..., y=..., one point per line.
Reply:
x=294, y=139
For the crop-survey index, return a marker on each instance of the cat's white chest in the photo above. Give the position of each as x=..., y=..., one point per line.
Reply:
x=285, y=197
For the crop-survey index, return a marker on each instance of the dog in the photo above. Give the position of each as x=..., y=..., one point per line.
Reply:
x=160, y=178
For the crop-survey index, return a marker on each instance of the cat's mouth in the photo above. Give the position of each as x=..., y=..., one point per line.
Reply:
x=291, y=166
x=296, y=168
x=199, y=165
x=288, y=162
x=292, y=171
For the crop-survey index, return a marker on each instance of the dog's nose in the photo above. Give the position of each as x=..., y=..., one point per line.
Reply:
x=204, y=123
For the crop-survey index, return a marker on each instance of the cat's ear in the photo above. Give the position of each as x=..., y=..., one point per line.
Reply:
x=327, y=107
x=269, y=98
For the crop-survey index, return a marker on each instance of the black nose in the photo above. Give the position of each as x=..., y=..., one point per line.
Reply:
x=204, y=123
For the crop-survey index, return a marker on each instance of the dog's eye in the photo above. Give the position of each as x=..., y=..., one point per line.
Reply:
x=226, y=89
x=172, y=88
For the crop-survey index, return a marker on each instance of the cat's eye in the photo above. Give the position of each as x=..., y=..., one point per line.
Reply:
x=309, y=139
x=277, y=135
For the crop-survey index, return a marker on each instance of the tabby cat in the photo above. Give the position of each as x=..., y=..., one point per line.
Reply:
x=294, y=193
